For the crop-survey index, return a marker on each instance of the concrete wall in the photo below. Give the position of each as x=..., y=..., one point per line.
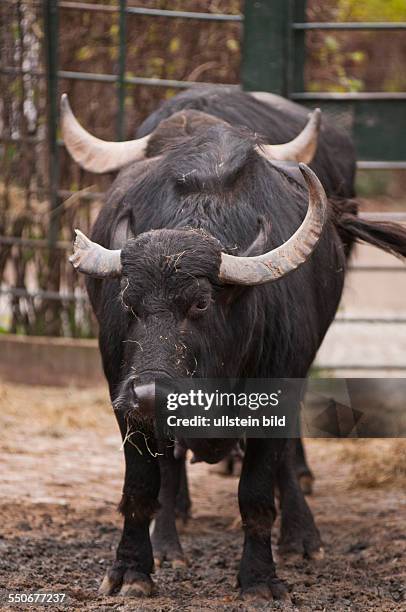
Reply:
x=50, y=361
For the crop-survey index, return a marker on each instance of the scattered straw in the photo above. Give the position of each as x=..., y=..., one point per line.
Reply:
x=377, y=463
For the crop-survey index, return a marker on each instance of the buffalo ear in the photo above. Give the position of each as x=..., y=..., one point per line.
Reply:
x=272, y=265
x=231, y=293
x=259, y=245
x=121, y=233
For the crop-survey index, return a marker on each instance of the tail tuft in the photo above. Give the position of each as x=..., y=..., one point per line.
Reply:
x=385, y=235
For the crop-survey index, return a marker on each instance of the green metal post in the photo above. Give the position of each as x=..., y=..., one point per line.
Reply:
x=265, y=46
x=50, y=8
x=297, y=56
x=121, y=70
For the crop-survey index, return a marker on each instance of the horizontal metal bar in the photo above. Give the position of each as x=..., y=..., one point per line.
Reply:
x=152, y=12
x=110, y=78
x=357, y=366
x=55, y=295
x=361, y=165
x=166, y=82
x=370, y=320
x=91, y=7
x=398, y=217
x=36, y=243
x=14, y=71
x=366, y=268
x=66, y=193
x=184, y=14
x=344, y=96
x=156, y=82
x=45, y=295
x=25, y=139
x=381, y=165
x=88, y=76
x=350, y=25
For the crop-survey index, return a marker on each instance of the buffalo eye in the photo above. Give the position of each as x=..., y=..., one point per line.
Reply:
x=199, y=307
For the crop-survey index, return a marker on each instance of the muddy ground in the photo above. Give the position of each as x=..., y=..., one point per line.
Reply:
x=60, y=481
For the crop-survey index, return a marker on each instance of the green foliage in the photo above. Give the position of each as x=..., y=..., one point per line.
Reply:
x=355, y=61
x=372, y=183
x=371, y=10
x=336, y=63
x=85, y=53
x=174, y=44
x=233, y=45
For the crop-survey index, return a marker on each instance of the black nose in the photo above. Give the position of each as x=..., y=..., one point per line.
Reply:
x=145, y=398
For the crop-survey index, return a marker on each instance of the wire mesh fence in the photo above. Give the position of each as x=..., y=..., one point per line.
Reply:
x=94, y=50
x=43, y=196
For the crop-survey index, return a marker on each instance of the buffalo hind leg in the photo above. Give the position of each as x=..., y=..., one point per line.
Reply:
x=304, y=473
x=165, y=540
x=299, y=534
x=257, y=575
x=183, y=502
x=130, y=573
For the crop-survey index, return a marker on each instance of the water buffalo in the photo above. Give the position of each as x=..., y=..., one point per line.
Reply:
x=212, y=257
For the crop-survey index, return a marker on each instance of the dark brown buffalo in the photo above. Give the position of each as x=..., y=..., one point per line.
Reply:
x=212, y=257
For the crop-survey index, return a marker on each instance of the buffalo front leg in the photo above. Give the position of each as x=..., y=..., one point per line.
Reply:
x=257, y=575
x=165, y=540
x=130, y=573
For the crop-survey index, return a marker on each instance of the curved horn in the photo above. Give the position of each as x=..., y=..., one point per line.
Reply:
x=302, y=149
x=290, y=255
x=93, y=154
x=93, y=259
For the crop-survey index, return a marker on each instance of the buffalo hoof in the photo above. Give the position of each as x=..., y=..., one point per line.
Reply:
x=126, y=582
x=176, y=559
x=293, y=552
x=306, y=483
x=316, y=555
x=275, y=589
x=167, y=548
x=168, y=551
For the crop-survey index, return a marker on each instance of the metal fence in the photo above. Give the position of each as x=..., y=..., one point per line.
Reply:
x=273, y=57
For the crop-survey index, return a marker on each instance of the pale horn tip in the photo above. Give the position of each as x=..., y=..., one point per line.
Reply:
x=81, y=241
x=317, y=117
x=314, y=120
x=65, y=106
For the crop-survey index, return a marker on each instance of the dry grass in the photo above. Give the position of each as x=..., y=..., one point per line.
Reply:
x=376, y=463
x=54, y=410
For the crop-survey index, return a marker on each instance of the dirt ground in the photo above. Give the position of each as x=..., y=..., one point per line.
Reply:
x=61, y=479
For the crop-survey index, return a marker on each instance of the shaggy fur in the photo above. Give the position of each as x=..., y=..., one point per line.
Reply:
x=202, y=190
